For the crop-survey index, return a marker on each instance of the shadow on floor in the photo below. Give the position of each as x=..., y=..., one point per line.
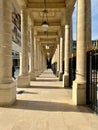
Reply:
x=46, y=87
x=46, y=80
x=48, y=106
x=25, y=92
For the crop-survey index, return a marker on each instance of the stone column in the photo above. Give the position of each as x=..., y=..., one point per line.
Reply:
x=58, y=58
x=43, y=63
x=32, y=76
x=24, y=77
x=7, y=85
x=61, y=59
x=79, y=85
x=66, y=56
x=40, y=59
x=71, y=38
x=56, y=53
x=35, y=56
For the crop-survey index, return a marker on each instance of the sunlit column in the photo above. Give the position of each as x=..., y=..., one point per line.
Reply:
x=79, y=85
x=24, y=77
x=32, y=74
x=58, y=59
x=35, y=56
x=61, y=59
x=66, y=56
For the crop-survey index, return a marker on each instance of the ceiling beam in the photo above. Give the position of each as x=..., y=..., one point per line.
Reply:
x=50, y=23
x=44, y=36
x=49, y=33
x=52, y=45
x=49, y=5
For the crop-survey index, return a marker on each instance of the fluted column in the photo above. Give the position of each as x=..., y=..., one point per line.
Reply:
x=24, y=77
x=79, y=85
x=66, y=56
x=32, y=75
x=7, y=85
x=61, y=59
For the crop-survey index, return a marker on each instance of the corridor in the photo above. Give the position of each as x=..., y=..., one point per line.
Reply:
x=46, y=105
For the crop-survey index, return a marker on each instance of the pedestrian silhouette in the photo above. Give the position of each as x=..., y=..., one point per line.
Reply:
x=13, y=70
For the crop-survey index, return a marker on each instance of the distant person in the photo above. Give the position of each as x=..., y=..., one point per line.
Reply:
x=13, y=71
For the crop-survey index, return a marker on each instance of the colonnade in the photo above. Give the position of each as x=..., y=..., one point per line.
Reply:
x=83, y=44
x=8, y=86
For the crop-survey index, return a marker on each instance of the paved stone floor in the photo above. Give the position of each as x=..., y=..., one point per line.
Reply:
x=46, y=105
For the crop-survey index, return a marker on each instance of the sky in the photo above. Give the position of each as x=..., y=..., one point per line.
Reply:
x=94, y=20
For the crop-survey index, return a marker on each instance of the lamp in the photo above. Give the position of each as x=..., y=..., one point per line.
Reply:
x=47, y=47
x=45, y=18
x=48, y=54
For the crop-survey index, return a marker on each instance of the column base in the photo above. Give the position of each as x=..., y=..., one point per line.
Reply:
x=79, y=93
x=60, y=76
x=7, y=93
x=36, y=73
x=65, y=81
x=32, y=77
x=57, y=74
x=24, y=81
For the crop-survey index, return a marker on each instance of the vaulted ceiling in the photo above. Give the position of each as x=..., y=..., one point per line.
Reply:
x=56, y=11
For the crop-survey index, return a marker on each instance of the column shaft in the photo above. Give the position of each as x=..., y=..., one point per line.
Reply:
x=61, y=59
x=88, y=24
x=35, y=55
x=66, y=57
x=24, y=45
x=32, y=76
x=5, y=42
x=58, y=58
x=81, y=42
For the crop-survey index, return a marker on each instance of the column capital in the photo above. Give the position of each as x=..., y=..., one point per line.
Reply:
x=66, y=26
x=30, y=22
x=35, y=33
x=61, y=31
x=24, y=10
x=66, y=16
x=23, y=7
